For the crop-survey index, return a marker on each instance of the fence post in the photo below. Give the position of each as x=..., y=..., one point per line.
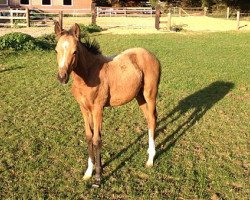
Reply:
x=228, y=12
x=157, y=17
x=93, y=12
x=11, y=18
x=169, y=21
x=28, y=17
x=205, y=11
x=238, y=20
x=97, y=11
x=61, y=19
x=180, y=12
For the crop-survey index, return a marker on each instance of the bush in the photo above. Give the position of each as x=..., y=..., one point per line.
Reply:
x=17, y=41
x=47, y=41
x=92, y=28
x=22, y=41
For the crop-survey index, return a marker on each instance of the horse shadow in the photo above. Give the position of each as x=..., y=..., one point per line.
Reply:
x=198, y=103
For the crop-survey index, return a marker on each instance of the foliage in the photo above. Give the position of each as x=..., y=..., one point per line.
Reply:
x=17, y=41
x=202, y=138
x=154, y=2
x=177, y=28
x=22, y=41
x=242, y=4
x=47, y=41
x=92, y=28
x=48, y=38
x=102, y=2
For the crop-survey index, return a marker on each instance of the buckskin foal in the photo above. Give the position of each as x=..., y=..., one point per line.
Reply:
x=100, y=81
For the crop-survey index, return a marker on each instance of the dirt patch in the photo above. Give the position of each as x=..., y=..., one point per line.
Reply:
x=139, y=25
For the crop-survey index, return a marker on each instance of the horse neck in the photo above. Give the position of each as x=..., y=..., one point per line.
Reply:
x=86, y=61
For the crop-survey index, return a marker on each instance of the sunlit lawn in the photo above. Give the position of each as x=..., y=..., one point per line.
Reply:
x=202, y=135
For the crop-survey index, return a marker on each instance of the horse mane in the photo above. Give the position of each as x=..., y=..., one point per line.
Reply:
x=91, y=45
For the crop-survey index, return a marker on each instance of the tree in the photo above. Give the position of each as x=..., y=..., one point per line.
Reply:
x=153, y=2
x=206, y=3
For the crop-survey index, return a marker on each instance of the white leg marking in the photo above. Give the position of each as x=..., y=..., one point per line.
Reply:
x=65, y=45
x=89, y=170
x=151, y=149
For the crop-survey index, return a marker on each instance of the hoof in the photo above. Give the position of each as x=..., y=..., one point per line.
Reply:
x=86, y=177
x=97, y=183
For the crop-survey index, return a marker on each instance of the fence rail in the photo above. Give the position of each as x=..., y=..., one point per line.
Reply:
x=21, y=17
x=124, y=11
x=11, y=17
x=196, y=11
x=38, y=18
x=245, y=14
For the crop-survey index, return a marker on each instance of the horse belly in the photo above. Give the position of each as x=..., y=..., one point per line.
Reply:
x=125, y=82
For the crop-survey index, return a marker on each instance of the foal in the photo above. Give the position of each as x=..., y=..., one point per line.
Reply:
x=99, y=81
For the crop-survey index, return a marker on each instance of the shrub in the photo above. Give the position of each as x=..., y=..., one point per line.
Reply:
x=47, y=41
x=17, y=41
x=22, y=41
x=92, y=28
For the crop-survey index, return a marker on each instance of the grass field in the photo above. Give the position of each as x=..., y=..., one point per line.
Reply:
x=202, y=135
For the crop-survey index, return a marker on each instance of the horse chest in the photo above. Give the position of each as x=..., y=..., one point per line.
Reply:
x=84, y=97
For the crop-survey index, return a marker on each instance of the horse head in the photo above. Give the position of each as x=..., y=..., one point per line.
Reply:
x=66, y=50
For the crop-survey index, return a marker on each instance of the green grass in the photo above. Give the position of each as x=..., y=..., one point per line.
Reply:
x=202, y=136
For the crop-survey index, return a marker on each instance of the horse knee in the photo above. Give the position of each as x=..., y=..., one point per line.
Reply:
x=97, y=142
x=88, y=139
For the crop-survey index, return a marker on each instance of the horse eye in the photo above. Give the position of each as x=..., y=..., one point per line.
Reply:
x=75, y=52
x=56, y=51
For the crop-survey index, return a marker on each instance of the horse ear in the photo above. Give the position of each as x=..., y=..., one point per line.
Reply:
x=58, y=29
x=76, y=31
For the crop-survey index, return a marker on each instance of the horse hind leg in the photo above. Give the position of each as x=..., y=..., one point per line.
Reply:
x=149, y=111
x=150, y=92
x=151, y=131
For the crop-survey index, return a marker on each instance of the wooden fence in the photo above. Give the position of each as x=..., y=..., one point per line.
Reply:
x=28, y=17
x=202, y=11
x=15, y=17
x=195, y=11
x=124, y=11
x=158, y=21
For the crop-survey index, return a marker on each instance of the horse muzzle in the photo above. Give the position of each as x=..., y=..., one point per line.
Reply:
x=63, y=78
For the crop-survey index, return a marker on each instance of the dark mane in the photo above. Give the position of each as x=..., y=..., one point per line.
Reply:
x=91, y=45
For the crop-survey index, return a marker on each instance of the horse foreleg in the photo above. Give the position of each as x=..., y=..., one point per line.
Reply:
x=89, y=135
x=97, y=119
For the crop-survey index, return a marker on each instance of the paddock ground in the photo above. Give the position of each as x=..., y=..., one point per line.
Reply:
x=202, y=138
x=139, y=25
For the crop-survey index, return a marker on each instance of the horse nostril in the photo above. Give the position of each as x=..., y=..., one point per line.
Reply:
x=63, y=77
